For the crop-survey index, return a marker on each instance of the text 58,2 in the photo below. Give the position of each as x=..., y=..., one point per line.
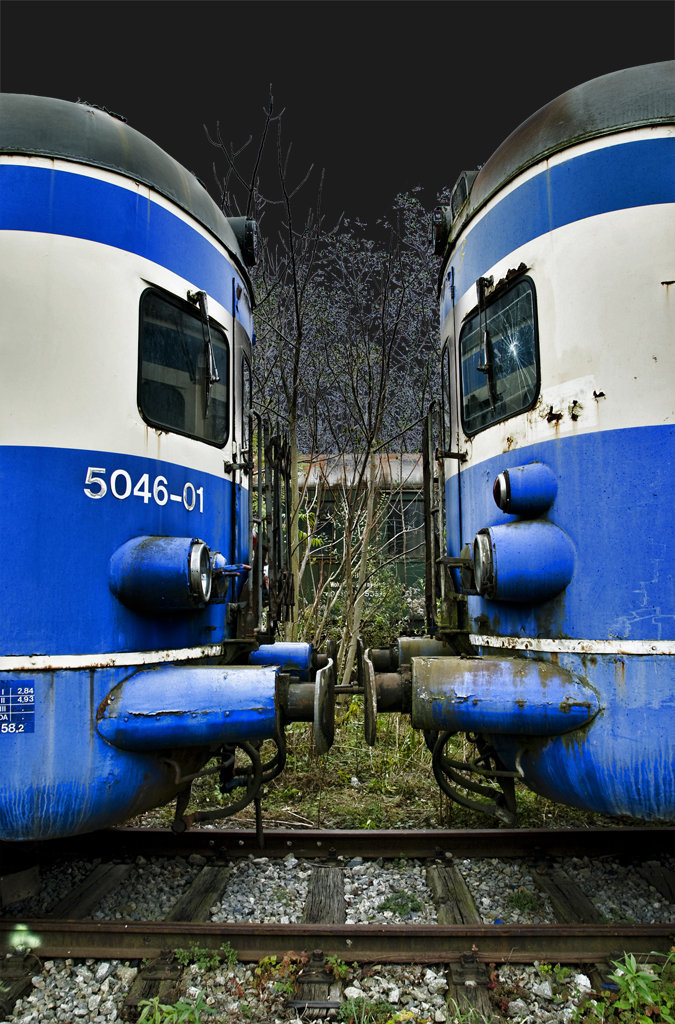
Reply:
x=120, y=484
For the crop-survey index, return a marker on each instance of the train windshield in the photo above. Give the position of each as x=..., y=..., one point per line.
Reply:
x=184, y=378
x=499, y=359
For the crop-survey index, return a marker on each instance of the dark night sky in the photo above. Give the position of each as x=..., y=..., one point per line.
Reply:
x=382, y=95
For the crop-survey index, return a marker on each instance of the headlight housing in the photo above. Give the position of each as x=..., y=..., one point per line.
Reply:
x=156, y=574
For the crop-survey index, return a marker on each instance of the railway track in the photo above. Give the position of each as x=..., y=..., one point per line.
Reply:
x=459, y=938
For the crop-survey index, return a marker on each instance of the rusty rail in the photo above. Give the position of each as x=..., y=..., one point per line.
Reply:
x=325, y=844
x=363, y=943
x=577, y=939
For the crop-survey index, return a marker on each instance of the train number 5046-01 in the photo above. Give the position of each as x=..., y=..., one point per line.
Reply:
x=121, y=486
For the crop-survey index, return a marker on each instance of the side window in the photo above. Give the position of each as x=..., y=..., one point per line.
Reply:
x=405, y=525
x=184, y=370
x=499, y=358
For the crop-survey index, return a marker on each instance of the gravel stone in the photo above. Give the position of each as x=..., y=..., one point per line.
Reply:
x=262, y=890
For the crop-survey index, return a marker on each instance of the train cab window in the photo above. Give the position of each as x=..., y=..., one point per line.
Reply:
x=499, y=358
x=177, y=389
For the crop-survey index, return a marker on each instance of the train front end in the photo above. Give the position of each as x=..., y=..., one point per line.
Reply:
x=554, y=647
x=130, y=609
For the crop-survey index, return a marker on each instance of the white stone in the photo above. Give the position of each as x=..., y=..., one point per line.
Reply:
x=103, y=970
x=126, y=975
x=517, y=1008
x=544, y=989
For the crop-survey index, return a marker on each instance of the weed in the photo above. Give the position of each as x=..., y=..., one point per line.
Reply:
x=154, y=1012
x=377, y=786
x=228, y=954
x=281, y=896
x=279, y=975
x=645, y=994
x=617, y=916
x=205, y=959
x=360, y=1010
x=561, y=974
x=467, y=1016
x=524, y=900
x=402, y=903
x=338, y=968
x=407, y=1017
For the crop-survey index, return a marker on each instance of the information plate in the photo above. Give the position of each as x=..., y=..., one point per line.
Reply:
x=17, y=707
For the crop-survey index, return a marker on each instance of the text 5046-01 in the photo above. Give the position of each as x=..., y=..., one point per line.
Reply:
x=120, y=484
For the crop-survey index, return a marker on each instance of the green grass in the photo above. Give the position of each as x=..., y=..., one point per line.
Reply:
x=389, y=785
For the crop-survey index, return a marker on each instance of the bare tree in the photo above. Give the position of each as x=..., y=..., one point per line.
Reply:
x=285, y=280
x=346, y=355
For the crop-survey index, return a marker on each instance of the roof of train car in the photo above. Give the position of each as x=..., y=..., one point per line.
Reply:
x=617, y=102
x=43, y=126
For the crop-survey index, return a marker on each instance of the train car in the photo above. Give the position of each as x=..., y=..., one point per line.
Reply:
x=553, y=649
x=131, y=628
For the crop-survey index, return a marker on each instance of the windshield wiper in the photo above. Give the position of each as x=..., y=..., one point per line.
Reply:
x=211, y=375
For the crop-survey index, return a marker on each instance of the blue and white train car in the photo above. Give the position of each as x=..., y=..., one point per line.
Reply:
x=557, y=292
x=126, y=342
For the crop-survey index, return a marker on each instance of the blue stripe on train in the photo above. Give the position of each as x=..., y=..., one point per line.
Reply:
x=617, y=177
x=615, y=499
x=58, y=544
x=63, y=203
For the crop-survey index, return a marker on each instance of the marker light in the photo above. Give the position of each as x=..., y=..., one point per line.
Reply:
x=482, y=562
x=200, y=571
x=525, y=490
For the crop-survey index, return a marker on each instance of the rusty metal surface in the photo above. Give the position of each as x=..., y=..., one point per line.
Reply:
x=324, y=844
x=499, y=696
x=363, y=943
x=615, y=102
x=350, y=471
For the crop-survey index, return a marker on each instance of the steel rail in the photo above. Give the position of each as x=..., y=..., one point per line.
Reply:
x=396, y=943
x=581, y=943
x=327, y=844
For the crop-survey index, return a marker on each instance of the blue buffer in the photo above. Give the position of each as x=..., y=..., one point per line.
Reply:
x=500, y=696
x=173, y=706
x=292, y=657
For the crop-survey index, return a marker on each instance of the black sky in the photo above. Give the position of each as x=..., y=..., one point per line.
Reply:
x=383, y=96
